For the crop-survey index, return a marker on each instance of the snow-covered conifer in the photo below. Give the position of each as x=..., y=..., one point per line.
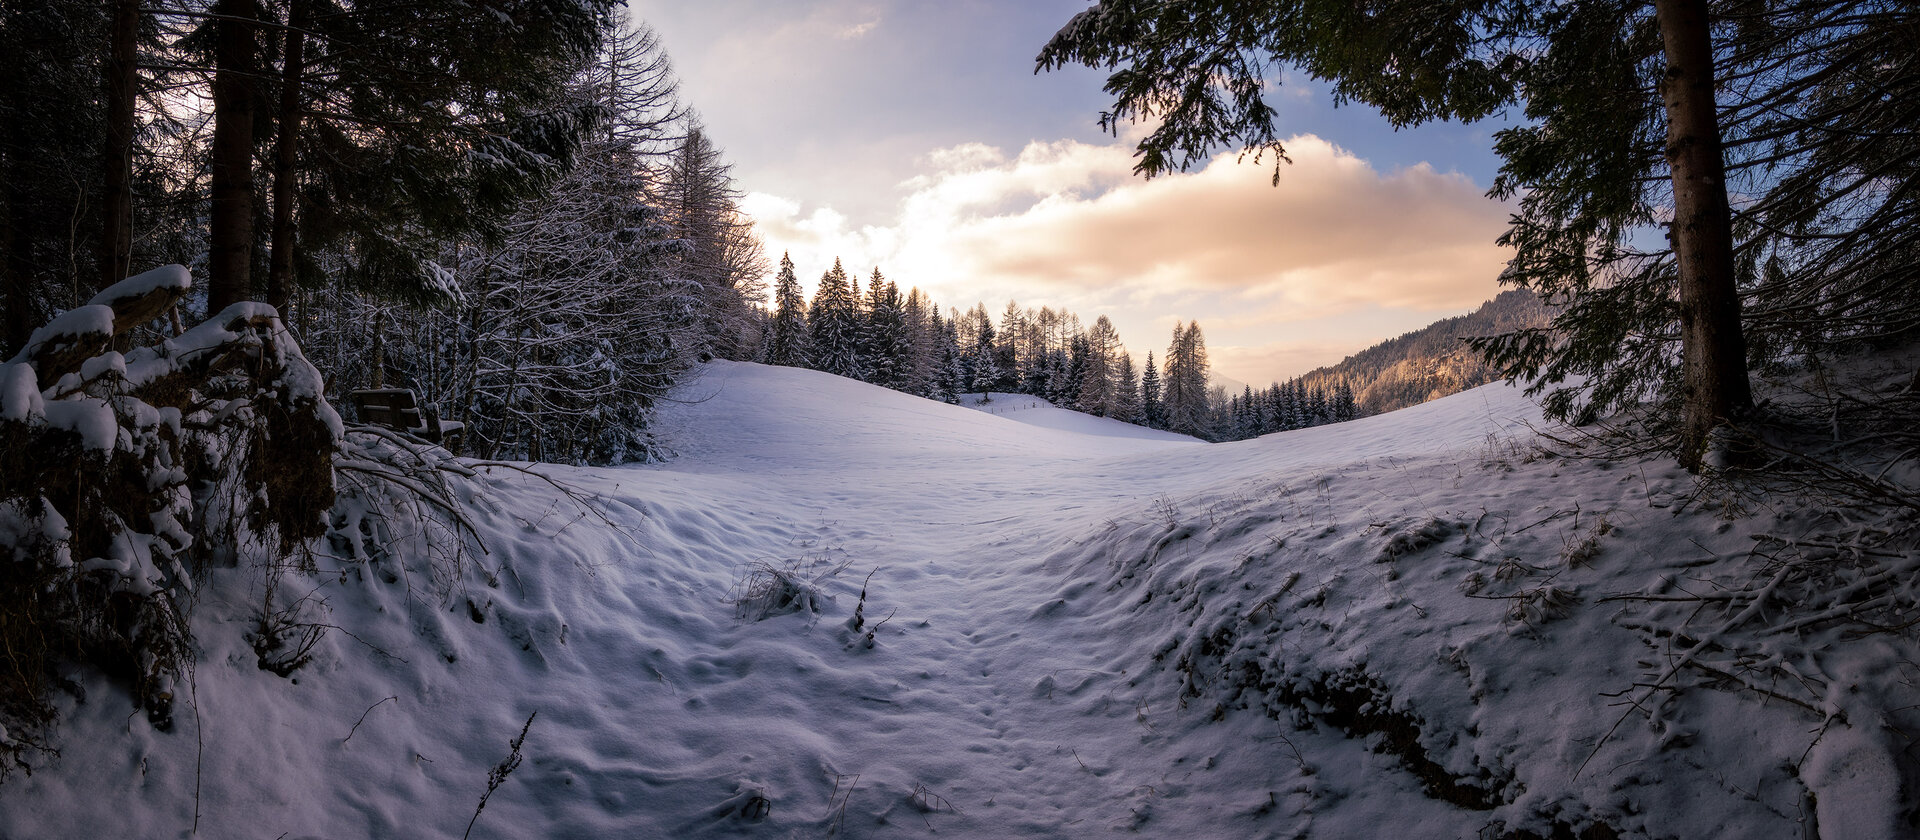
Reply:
x=834, y=321
x=788, y=342
x=1151, y=412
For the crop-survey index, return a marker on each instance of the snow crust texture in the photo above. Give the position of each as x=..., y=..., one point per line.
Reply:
x=1402, y=626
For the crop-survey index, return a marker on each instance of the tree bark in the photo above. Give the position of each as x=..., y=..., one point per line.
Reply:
x=236, y=62
x=1714, y=386
x=116, y=163
x=285, y=161
x=17, y=300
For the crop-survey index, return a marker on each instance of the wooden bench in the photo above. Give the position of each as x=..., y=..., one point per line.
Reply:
x=400, y=410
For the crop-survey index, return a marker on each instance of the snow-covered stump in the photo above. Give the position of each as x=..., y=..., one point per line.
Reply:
x=120, y=470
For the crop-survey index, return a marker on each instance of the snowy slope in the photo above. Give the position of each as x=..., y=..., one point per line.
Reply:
x=1082, y=633
x=1038, y=412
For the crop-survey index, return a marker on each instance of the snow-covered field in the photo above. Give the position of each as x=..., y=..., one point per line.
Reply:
x=1396, y=627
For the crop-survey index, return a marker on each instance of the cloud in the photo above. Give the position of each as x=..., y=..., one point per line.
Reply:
x=1333, y=235
x=1267, y=268
x=856, y=31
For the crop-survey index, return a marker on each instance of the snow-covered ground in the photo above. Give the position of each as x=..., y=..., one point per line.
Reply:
x=1395, y=627
x=1038, y=412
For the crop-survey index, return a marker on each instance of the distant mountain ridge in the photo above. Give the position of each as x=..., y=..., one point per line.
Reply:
x=1433, y=361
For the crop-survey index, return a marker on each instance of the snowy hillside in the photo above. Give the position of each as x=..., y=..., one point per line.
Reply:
x=1039, y=412
x=1395, y=627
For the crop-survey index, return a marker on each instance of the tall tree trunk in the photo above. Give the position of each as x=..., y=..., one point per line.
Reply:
x=379, y=375
x=1714, y=386
x=236, y=63
x=116, y=163
x=286, y=155
x=16, y=283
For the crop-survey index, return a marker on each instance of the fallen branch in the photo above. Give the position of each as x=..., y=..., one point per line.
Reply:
x=363, y=719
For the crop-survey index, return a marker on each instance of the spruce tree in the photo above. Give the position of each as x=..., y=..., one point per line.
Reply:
x=888, y=349
x=922, y=321
x=1151, y=412
x=984, y=372
x=952, y=374
x=1126, y=393
x=1247, y=418
x=406, y=124
x=834, y=322
x=788, y=342
x=1076, y=372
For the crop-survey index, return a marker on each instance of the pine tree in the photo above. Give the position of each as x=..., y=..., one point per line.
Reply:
x=788, y=341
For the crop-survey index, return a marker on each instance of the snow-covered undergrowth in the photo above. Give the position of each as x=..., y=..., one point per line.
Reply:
x=121, y=471
x=1409, y=625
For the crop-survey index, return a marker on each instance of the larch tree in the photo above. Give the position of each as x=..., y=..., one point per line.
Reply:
x=718, y=249
x=1185, y=400
x=574, y=324
x=1097, y=381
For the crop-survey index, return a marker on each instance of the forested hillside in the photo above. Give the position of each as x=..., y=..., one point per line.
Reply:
x=1433, y=361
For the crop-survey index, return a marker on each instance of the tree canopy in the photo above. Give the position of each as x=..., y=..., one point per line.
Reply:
x=1771, y=140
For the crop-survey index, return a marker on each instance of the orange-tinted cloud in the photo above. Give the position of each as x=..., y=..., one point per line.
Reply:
x=1262, y=265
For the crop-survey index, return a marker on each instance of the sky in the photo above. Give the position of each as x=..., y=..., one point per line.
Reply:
x=915, y=137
